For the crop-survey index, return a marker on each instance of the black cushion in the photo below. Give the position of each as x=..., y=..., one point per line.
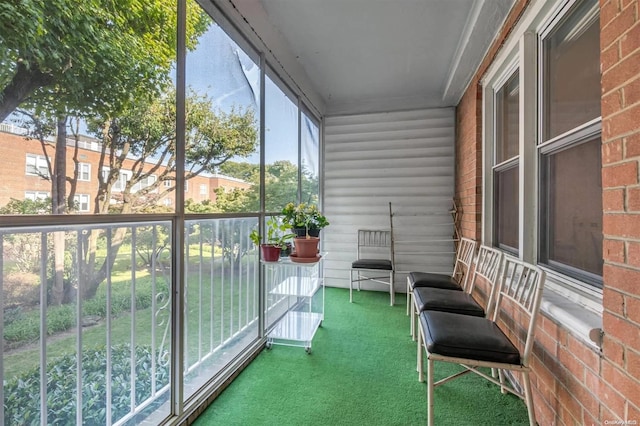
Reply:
x=372, y=264
x=467, y=337
x=440, y=299
x=426, y=279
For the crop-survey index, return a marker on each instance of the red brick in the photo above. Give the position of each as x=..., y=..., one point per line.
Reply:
x=613, y=200
x=633, y=199
x=633, y=409
x=608, y=58
x=608, y=11
x=620, y=73
x=621, y=329
x=632, y=309
x=621, y=124
x=613, y=250
x=613, y=400
x=631, y=92
x=633, y=254
x=613, y=301
x=616, y=27
x=585, y=354
x=571, y=363
x=621, y=381
x=613, y=351
x=621, y=225
x=612, y=151
x=620, y=278
x=632, y=145
x=620, y=174
x=633, y=364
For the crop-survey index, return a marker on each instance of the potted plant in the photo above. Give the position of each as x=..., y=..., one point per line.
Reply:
x=305, y=220
x=276, y=239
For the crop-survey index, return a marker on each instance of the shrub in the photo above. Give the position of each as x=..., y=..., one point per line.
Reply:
x=22, y=393
x=27, y=327
x=21, y=288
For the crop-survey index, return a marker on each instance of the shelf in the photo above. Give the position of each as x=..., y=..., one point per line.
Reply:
x=297, y=326
x=286, y=261
x=298, y=286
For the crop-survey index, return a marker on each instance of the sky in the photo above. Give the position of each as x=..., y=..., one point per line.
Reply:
x=219, y=68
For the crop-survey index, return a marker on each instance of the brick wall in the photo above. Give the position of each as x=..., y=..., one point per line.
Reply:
x=469, y=137
x=14, y=181
x=619, y=385
x=573, y=382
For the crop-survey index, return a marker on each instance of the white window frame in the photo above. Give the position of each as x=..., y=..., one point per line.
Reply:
x=508, y=163
x=204, y=189
x=123, y=178
x=84, y=169
x=80, y=199
x=143, y=183
x=39, y=162
x=36, y=195
x=565, y=297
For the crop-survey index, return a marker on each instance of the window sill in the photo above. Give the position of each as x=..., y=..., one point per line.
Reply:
x=578, y=318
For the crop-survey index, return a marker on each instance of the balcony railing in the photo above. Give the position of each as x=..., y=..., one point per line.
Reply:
x=87, y=312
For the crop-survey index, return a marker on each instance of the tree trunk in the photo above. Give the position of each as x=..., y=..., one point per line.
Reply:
x=58, y=206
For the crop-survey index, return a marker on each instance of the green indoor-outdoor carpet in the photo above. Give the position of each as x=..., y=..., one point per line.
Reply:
x=362, y=371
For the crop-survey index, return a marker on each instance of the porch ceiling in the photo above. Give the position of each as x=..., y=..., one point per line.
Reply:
x=377, y=55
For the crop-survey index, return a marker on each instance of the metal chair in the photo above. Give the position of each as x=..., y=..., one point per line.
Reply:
x=487, y=265
x=455, y=281
x=475, y=342
x=375, y=255
x=375, y=260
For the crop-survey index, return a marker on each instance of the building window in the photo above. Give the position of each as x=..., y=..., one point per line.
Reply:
x=36, y=195
x=84, y=172
x=204, y=190
x=507, y=117
x=81, y=202
x=168, y=184
x=144, y=183
x=542, y=131
x=570, y=147
x=37, y=165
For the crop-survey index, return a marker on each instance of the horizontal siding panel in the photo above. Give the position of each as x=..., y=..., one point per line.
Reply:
x=406, y=158
x=398, y=135
x=338, y=147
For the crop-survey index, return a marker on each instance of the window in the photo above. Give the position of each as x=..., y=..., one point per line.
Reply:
x=204, y=190
x=507, y=117
x=84, y=172
x=570, y=157
x=167, y=184
x=82, y=202
x=144, y=183
x=37, y=165
x=120, y=184
x=542, y=131
x=36, y=195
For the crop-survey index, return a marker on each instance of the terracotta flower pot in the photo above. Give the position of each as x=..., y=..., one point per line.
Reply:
x=269, y=252
x=306, y=247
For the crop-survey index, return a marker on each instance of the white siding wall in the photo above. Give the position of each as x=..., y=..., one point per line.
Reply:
x=406, y=158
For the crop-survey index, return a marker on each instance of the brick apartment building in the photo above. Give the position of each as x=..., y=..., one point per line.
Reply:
x=24, y=178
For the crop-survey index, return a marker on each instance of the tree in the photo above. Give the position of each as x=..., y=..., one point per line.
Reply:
x=63, y=57
x=88, y=55
x=146, y=132
x=281, y=183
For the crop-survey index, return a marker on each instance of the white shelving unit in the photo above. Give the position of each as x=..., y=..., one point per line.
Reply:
x=297, y=297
